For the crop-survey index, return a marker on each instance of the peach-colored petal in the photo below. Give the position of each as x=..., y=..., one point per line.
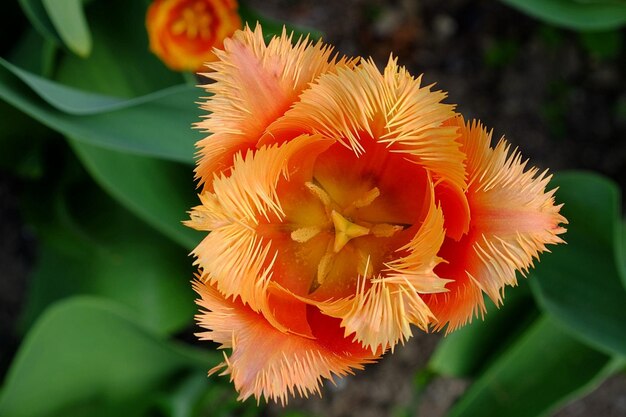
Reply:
x=254, y=84
x=268, y=363
x=513, y=218
x=384, y=307
x=392, y=107
x=234, y=256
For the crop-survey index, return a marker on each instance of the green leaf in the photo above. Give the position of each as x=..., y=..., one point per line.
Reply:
x=159, y=192
x=603, y=45
x=34, y=53
x=36, y=13
x=121, y=63
x=622, y=255
x=87, y=356
x=68, y=19
x=579, y=284
x=21, y=142
x=157, y=125
x=465, y=352
x=577, y=15
x=543, y=370
x=90, y=245
x=195, y=398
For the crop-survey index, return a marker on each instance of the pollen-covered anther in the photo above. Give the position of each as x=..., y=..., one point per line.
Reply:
x=319, y=192
x=385, y=229
x=345, y=231
x=304, y=234
x=368, y=198
x=323, y=269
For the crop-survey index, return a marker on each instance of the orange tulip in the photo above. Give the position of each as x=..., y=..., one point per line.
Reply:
x=183, y=33
x=346, y=205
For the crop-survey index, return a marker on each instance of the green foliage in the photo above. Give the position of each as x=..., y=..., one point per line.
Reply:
x=88, y=356
x=581, y=284
x=575, y=14
x=157, y=124
x=68, y=19
x=467, y=351
x=603, y=45
x=90, y=245
x=544, y=368
x=159, y=192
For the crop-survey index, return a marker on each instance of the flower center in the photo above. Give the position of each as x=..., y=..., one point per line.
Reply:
x=194, y=21
x=345, y=225
x=344, y=220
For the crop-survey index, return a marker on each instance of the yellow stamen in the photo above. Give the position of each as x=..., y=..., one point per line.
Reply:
x=319, y=193
x=323, y=269
x=368, y=198
x=194, y=20
x=304, y=234
x=345, y=231
x=385, y=229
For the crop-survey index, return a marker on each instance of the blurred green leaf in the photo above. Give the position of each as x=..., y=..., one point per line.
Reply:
x=68, y=19
x=21, y=140
x=577, y=15
x=36, y=13
x=466, y=351
x=159, y=192
x=193, y=397
x=622, y=251
x=156, y=125
x=543, y=370
x=121, y=63
x=579, y=284
x=603, y=45
x=90, y=245
x=87, y=356
x=33, y=53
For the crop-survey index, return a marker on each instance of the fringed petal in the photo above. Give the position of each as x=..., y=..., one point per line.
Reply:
x=513, y=218
x=267, y=363
x=255, y=83
x=381, y=313
x=234, y=256
x=392, y=107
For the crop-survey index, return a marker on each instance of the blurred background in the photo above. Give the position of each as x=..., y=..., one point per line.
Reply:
x=96, y=310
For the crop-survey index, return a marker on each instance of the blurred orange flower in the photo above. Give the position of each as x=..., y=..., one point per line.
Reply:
x=345, y=205
x=183, y=33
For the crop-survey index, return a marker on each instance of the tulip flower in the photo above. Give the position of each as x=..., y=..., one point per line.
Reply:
x=183, y=33
x=346, y=207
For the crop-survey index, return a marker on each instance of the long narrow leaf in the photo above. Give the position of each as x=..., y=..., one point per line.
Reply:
x=578, y=15
x=542, y=371
x=159, y=126
x=68, y=19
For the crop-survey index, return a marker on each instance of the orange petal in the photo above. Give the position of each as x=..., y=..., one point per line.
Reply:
x=268, y=363
x=392, y=107
x=255, y=84
x=455, y=208
x=513, y=218
x=384, y=308
x=234, y=255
